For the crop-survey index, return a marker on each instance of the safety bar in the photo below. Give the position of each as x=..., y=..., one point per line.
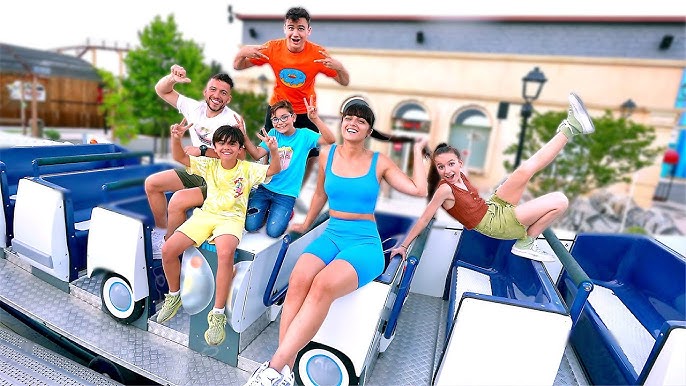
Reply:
x=414, y=254
x=578, y=276
x=272, y=296
x=121, y=184
x=46, y=161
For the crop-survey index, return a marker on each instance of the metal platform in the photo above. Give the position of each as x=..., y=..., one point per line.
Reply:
x=23, y=362
x=162, y=354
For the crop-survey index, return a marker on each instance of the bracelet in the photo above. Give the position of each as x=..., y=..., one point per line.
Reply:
x=402, y=245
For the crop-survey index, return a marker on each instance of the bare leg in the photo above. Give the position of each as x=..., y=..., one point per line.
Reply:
x=155, y=187
x=180, y=202
x=540, y=212
x=304, y=272
x=512, y=189
x=226, y=248
x=334, y=281
x=171, y=250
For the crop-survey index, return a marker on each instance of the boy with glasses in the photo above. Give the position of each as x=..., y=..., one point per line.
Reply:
x=272, y=203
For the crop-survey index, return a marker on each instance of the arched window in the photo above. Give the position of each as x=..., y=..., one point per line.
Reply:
x=410, y=116
x=470, y=132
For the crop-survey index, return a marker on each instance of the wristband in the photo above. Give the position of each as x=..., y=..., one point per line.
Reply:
x=403, y=246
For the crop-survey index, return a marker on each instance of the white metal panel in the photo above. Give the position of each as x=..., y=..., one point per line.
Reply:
x=429, y=278
x=498, y=344
x=39, y=222
x=670, y=365
x=116, y=244
x=352, y=322
x=635, y=341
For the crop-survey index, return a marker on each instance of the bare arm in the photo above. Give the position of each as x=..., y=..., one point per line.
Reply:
x=327, y=137
x=442, y=193
x=342, y=76
x=242, y=59
x=418, y=184
x=319, y=197
x=256, y=152
x=165, y=86
x=274, y=161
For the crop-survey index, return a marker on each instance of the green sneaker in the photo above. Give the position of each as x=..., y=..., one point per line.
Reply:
x=215, y=334
x=527, y=248
x=170, y=307
x=578, y=121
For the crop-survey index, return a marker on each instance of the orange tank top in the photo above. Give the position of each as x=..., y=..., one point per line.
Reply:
x=469, y=208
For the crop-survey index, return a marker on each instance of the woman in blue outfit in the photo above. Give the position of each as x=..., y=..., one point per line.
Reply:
x=348, y=254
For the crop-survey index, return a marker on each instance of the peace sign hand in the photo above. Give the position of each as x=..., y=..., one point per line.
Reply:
x=240, y=123
x=270, y=141
x=178, y=129
x=311, y=109
x=329, y=62
x=254, y=52
x=178, y=74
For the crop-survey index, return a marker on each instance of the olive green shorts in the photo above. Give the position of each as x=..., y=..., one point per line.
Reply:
x=500, y=221
x=192, y=181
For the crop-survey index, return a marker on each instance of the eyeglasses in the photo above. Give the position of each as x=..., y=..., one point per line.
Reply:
x=282, y=118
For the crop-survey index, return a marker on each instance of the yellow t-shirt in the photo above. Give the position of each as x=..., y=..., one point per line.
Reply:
x=227, y=189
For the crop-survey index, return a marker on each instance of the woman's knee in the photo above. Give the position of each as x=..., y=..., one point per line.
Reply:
x=561, y=201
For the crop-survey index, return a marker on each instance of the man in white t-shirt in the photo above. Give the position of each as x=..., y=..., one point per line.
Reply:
x=205, y=116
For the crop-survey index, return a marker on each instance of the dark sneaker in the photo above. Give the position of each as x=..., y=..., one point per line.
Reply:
x=172, y=303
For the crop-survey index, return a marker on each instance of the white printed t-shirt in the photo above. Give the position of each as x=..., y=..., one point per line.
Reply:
x=203, y=127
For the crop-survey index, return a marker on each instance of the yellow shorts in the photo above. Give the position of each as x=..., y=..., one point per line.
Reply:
x=203, y=226
x=500, y=221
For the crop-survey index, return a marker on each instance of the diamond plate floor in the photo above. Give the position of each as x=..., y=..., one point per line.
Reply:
x=155, y=357
x=409, y=360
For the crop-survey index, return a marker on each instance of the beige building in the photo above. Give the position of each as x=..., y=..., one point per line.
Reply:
x=453, y=90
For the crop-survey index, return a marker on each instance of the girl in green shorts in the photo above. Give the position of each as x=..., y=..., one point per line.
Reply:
x=500, y=217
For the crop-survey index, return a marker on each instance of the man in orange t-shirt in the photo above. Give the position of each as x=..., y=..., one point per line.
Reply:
x=296, y=62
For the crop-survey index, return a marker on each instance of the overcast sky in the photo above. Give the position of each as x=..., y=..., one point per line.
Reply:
x=49, y=24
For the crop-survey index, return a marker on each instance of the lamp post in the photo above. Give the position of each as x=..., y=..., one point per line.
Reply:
x=532, y=84
x=627, y=108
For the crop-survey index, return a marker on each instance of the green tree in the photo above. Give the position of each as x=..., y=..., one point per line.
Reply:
x=131, y=105
x=610, y=155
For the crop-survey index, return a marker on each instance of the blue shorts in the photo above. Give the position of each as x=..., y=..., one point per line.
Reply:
x=354, y=241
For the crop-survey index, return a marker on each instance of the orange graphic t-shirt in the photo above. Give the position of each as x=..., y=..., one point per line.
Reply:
x=294, y=72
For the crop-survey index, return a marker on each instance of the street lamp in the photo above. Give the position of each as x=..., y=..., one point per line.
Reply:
x=627, y=108
x=531, y=89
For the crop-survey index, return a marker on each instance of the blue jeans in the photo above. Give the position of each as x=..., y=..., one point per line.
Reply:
x=273, y=208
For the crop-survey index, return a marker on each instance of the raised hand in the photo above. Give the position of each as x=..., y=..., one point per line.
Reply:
x=240, y=122
x=329, y=62
x=178, y=129
x=254, y=52
x=271, y=142
x=421, y=144
x=178, y=74
x=311, y=108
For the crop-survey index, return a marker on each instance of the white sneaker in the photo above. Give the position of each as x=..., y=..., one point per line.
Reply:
x=578, y=117
x=157, y=239
x=287, y=377
x=528, y=248
x=264, y=376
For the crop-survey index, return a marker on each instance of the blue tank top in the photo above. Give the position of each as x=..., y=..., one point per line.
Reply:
x=352, y=194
